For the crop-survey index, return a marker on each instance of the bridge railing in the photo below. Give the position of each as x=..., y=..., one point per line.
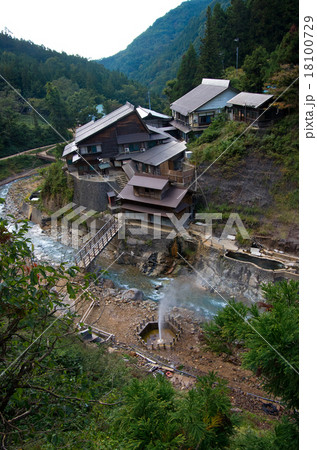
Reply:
x=86, y=249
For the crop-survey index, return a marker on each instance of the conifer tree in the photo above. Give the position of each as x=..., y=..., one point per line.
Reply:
x=210, y=65
x=187, y=73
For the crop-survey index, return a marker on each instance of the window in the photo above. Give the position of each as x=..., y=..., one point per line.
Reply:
x=90, y=149
x=205, y=120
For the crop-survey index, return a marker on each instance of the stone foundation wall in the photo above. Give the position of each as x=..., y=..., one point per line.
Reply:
x=91, y=194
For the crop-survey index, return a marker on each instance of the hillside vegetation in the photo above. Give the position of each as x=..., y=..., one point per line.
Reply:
x=155, y=56
x=64, y=89
x=253, y=173
x=59, y=392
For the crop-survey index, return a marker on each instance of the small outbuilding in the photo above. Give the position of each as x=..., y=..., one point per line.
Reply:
x=252, y=108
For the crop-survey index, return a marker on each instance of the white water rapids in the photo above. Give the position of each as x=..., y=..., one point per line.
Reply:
x=184, y=291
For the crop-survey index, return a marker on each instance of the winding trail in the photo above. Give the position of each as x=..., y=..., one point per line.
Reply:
x=26, y=173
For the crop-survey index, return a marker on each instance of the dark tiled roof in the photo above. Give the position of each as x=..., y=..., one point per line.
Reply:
x=160, y=153
x=132, y=138
x=150, y=181
x=172, y=199
x=92, y=127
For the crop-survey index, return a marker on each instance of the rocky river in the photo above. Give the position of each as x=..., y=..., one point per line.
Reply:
x=203, y=281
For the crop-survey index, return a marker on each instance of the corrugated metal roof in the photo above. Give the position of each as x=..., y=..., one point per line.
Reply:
x=198, y=96
x=92, y=127
x=161, y=153
x=132, y=138
x=172, y=199
x=180, y=126
x=158, y=133
x=129, y=169
x=104, y=166
x=76, y=157
x=70, y=148
x=144, y=112
x=249, y=99
x=216, y=82
x=148, y=181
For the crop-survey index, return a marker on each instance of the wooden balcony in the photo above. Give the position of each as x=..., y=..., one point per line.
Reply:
x=181, y=177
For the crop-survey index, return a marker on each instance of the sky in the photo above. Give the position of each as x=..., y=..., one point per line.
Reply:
x=93, y=29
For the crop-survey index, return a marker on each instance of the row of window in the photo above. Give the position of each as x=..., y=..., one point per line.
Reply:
x=90, y=149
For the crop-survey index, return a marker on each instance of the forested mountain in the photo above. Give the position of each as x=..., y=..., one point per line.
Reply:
x=64, y=89
x=154, y=57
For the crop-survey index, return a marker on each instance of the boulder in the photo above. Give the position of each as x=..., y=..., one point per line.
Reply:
x=132, y=294
x=108, y=284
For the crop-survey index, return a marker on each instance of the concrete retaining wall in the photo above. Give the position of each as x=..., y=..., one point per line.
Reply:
x=91, y=194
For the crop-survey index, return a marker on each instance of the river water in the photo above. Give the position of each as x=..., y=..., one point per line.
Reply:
x=183, y=291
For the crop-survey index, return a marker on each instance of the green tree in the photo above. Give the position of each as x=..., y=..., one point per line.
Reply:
x=255, y=67
x=57, y=185
x=236, y=77
x=187, y=74
x=28, y=304
x=52, y=385
x=270, y=338
x=236, y=26
x=59, y=116
x=228, y=327
x=210, y=63
x=82, y=106
x=205, y=415
x=284, y=84
x=273, y=349
x=153, y=416
x=169, y=90
x=145, y=420
x=270, y=20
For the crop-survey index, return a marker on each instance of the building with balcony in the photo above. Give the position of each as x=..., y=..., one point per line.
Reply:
x=111, y=150
x=196, y=110
x=153, y=197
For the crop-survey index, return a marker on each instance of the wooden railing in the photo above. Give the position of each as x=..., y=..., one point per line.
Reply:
x=96, y=244
x=181, y=177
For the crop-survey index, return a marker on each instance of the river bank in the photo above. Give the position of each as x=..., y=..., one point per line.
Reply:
x=203, y=261
x=119, y=310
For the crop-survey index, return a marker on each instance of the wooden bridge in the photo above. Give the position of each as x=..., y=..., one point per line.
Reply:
x=96, y=244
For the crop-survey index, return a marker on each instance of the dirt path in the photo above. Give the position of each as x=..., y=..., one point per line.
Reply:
x=25, y=152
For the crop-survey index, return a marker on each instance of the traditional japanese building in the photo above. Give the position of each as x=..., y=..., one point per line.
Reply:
x=252, y=108
x=153, y=195
x=195, y=110
x=108, y=152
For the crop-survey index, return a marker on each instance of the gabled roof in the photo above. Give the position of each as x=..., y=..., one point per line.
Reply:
x=70, y=148
x=197, y=97
x=144, y=112
x=172, y=199
x=180, y=126
x=92, y=127
x=132, y=138
x=249, y=99
x=160, y=153
x=216, y=82
x=153, y=182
